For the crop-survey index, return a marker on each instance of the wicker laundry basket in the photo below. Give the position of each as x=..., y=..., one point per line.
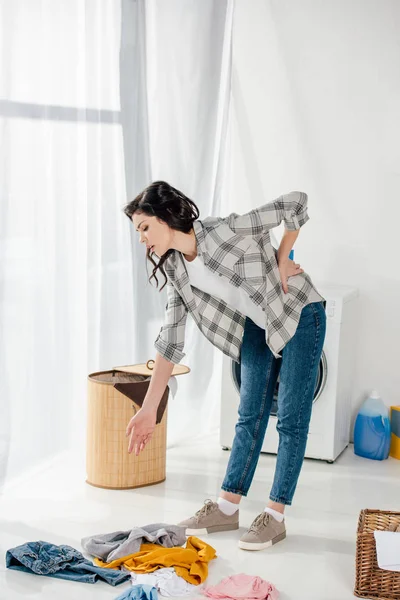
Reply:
x=113, y=398
x=371, y=581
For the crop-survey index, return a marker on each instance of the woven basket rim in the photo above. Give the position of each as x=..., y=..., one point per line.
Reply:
x=373, y=511
x=91, y=376
x=370, y=581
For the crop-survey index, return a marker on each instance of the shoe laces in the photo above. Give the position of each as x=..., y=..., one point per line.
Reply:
x=209, y=507
x=260, y=521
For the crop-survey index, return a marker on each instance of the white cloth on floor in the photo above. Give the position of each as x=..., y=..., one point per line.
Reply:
x=388, y=550
x=167, y=582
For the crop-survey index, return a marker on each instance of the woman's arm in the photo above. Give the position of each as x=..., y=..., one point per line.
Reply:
x=169, y=346
x=290, y=208
x=171, y=339
x=141, y=427
x=159, y=379
x=286, y=245
x=287, y=242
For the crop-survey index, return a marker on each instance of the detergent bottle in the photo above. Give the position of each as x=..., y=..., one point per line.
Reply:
x=372, y=429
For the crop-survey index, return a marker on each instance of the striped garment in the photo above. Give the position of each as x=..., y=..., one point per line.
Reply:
x=237, y=247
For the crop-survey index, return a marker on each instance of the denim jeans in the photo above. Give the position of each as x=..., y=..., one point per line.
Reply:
x=139, y=592
x=62, y=562
x=259, y=370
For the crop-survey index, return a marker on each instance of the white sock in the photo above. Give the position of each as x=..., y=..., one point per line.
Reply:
x=228, y=508
x=277, y=515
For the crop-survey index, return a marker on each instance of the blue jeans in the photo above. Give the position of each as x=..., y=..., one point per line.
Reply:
x=259, y=370
x=62, y=562
x=139, y=592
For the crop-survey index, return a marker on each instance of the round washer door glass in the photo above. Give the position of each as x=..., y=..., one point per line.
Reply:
x=319, y=386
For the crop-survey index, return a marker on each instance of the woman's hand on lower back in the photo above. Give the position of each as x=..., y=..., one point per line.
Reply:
x=288, y=268
x=141, y=428
x=293, y=268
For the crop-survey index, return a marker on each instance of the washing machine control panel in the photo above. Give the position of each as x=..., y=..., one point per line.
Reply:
x=333, y=310
x=330, y=308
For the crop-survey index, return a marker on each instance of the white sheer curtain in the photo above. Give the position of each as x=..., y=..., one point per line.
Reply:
x=183, y=53
x=66, y=304
x=97, y=99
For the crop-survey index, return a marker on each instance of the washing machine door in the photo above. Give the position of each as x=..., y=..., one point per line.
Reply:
x=319, y=387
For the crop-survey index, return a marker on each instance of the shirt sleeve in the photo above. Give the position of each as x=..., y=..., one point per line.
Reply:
x=290, y=208
x=171, y=339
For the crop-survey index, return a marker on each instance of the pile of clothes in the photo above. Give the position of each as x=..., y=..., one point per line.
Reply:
x=156, y=558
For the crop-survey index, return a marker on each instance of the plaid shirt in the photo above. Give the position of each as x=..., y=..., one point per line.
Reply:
x=237, y=247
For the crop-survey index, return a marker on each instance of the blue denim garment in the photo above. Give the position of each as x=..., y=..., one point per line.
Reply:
x=259, y=370
x=139, y=592
x=63, y=562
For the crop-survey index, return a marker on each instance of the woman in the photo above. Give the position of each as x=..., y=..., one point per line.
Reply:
x=260, y=309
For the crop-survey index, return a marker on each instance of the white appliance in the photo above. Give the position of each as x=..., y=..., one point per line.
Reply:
x=330, y=421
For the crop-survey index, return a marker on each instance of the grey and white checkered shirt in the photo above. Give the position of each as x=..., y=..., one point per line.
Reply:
x=239, y=248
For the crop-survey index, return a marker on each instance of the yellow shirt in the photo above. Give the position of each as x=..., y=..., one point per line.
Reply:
x=190, y=562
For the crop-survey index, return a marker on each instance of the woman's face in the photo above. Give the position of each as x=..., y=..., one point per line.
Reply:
x=153, y=232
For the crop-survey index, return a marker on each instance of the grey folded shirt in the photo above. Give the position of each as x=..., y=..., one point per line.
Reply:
x=110, y=546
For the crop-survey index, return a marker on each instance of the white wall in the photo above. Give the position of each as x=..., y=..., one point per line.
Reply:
x=316, y=107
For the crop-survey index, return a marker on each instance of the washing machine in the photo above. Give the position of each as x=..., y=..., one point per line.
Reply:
x=329, y=432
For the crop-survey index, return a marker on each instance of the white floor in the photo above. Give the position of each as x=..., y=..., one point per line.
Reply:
x=315, y=562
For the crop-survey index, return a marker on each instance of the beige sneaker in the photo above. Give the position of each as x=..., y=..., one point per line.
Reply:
x=210, y=519
x=264, y=532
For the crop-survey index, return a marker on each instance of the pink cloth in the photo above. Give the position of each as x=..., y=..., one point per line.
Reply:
x=242, y=587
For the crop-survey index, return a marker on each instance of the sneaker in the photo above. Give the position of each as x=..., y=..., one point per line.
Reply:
x=264, y=532
x=210, y=519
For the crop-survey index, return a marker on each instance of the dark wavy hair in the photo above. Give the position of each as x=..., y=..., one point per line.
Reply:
x=168, y=204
